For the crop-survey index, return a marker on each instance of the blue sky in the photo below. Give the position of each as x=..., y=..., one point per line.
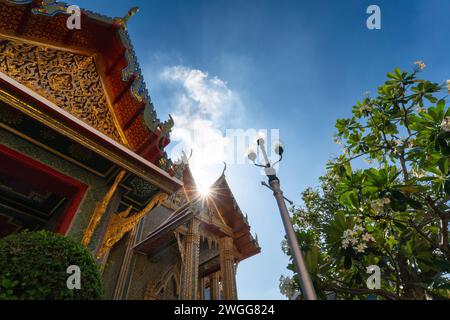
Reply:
x=295, y=66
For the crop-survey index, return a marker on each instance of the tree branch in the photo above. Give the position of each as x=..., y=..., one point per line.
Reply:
x=360, y=291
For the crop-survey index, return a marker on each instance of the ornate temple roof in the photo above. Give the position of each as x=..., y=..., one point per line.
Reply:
x=106, y=40
x=221, y=202
x=99, y=154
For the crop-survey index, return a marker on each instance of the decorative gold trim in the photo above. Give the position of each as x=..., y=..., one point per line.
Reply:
x=100, y=70
x=79, y=138
x=47, y=44
x=180, y=245
x=120, y=223
x=100, y=210
x=218, y=211
x=57, y=153
x=72, y=81
x=98, y=66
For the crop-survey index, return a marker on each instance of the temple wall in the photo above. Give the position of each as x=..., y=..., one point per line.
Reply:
x=147, y=272
x=97, y=186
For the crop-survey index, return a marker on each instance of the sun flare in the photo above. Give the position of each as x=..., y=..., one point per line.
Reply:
x=204, y=190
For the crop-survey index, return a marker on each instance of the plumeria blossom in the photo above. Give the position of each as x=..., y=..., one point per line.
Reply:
x=336, y=139
x=356, y=238
x=368, y=237
x=361, y=247
x=445, y=125
x=417, y=173
x=365, y=108
x=420, y=64
x=421, y=109
x=378, y=205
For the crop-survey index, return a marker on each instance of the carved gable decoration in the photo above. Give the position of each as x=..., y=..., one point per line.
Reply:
x=176, y=200
x=69, y=80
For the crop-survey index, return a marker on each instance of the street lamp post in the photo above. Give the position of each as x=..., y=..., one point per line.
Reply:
x=274, y=184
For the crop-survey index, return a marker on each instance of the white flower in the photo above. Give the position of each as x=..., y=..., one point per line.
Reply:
x=420, y=64
x=336, y=139
x=361, y=247
x=365, y=108
x=348, y=233
x=358, y=228
x=368, y=237
x=421, y=109
x=345, y=243
x=417, y=173
x=378, y=205
x=445, y=125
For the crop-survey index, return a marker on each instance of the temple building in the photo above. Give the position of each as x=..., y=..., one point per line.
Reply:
x=82, y=154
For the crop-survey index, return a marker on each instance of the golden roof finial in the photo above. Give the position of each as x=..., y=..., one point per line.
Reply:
x=122, y=22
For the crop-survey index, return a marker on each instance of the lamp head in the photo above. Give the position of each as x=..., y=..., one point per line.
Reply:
x=260, y=138
x=278, y=147
x=251, y=154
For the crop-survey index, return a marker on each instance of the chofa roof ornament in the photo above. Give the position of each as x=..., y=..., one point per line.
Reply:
x=122, y=22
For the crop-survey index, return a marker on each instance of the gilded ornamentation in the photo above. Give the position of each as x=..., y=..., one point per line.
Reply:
x=45, y=7
x=52, y=31
x=191, y=253
x=122, y=22
x=180, y=245
x=139, y=89
x=227, y=261
x=120, y=223
x=100, y=210
x=69, y=80
x=141, y=188
x=176, y=200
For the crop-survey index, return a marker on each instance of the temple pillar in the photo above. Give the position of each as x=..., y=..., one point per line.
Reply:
x=214, y=287
x=227, y=268
x=190, y=281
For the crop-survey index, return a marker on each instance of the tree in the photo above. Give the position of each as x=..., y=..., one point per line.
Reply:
x=36, y=266
x=392, y=212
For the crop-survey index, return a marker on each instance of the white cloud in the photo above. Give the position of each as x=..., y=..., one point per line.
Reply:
x=202, y=106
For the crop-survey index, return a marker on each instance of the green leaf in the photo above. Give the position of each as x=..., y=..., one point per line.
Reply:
x=400, y=225
x=443, y=165
x=447, y=186
x=414, y=203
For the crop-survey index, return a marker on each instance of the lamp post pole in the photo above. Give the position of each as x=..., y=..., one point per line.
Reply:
x=299, y=261
x=274, y=182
